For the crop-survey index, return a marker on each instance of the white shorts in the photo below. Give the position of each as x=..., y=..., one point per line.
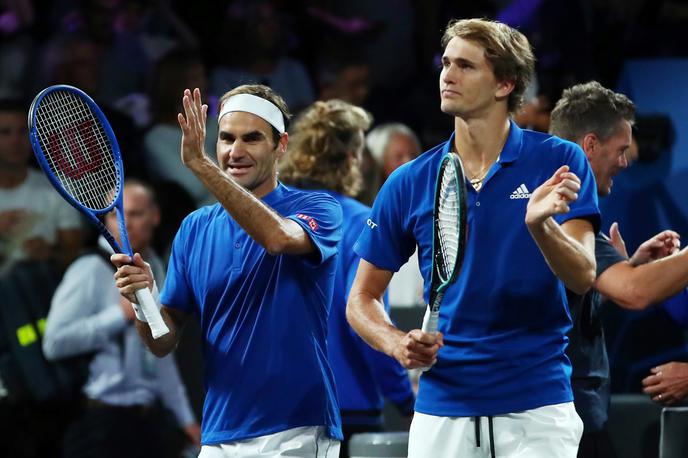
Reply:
x=546, y=432
x=304, y=442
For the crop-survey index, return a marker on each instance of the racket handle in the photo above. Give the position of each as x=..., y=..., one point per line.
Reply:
x=150, y=311
x=430, y=325
x=430, y=321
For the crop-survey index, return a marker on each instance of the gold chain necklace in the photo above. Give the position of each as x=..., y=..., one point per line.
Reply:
x=476, y=179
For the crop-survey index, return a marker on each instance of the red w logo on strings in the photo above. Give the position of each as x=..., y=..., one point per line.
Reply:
x=83, y=155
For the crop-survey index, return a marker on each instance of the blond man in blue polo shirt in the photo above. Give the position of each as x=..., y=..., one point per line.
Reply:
x=500, y=381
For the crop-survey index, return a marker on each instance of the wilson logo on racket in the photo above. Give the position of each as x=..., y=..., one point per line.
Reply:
x=80, y=158
x=77, y=150
x=311, y=222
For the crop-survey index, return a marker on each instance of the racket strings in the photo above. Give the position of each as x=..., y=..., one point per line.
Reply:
x=77, y=149
x=448, y=209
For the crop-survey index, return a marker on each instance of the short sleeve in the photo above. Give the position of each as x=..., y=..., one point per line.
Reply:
x=320, y=216
x=384, y=241
x=177, y=292
x=586, y=206
x=605, y=254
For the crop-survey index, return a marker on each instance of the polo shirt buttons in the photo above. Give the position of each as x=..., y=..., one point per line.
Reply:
x=237, y=245
x=477, y=204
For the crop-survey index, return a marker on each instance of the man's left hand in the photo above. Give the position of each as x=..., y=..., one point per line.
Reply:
x=667, y=383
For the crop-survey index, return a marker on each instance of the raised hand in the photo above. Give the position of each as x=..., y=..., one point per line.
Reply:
x=192, y=123
x=661, y=245
x=553, y=196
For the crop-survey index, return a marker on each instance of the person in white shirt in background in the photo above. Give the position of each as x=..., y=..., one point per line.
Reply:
x=88, y=315
x=35, y=222
x=392, y=145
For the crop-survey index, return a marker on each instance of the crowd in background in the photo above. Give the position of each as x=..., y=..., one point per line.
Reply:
x=135, y=58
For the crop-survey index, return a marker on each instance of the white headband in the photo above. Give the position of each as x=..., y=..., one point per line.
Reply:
x=254, y=105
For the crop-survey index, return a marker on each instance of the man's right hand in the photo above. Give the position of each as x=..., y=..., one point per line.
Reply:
x=131, y=277
x=193, y=125
x=418, y=349
x=660, y=246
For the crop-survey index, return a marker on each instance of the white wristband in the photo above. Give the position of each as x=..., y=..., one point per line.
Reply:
x=156, y=297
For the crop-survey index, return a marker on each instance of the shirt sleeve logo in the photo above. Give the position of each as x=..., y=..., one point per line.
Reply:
x=311, y=221
x=371, y=224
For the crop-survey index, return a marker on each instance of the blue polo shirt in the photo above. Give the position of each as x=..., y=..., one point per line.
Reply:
x=263, y=318
x=505, y=318
x=363, y=375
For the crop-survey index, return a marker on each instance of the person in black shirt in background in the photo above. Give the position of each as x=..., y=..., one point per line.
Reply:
x=600, y=122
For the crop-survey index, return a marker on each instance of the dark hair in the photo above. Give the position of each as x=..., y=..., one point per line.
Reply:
x=263, y=92
x=507, y=50
x=590, y=108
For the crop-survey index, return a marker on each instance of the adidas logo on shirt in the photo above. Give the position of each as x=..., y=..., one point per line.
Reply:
x=520, y=193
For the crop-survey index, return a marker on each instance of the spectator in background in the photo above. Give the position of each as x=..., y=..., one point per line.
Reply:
x=35, y=222
x=344, y=76
x=111, y=25
x=79, y=60
x=600, y=122
x=536, y=110
x=40, y=235
x=392, y=145
x=324, y=155
x=121, y=417
x=668, y=383
x=255, y=39
x=16, y=46
x=177, y=70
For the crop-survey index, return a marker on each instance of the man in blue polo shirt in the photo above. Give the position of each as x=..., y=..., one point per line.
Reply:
x=500, y=350
x=324, y=154
x=258, y=269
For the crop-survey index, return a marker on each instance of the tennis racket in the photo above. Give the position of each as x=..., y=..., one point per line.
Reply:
x=77, y=150
x=449, y=234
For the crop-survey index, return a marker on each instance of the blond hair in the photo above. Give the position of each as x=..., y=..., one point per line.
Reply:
x=507, y=50
x=322, y=147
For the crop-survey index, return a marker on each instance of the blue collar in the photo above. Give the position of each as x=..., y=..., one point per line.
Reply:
x=512, y=146
x=274, y=195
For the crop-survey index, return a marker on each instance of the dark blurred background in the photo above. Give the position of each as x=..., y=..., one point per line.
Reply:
x=135, y=57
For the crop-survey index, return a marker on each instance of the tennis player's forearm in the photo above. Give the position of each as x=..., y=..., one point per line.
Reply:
x=567, y=258
x=367, y=316
x=262, y=223
x=663, y=278
x=163, y=345
x=640, y=286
